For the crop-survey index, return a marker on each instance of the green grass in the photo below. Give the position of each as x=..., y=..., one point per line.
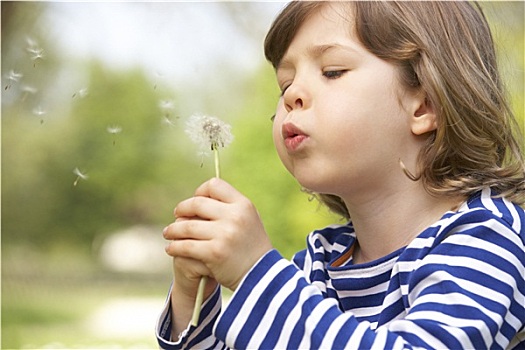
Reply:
x=38, y=315
x=51, y=308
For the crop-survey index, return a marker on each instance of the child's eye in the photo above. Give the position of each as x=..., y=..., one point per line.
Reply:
x=284, y=90
x=334, y=74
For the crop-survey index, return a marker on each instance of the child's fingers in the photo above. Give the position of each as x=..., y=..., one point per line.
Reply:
x=189, y=248
x=199, y=207
x=220, y=190
x=182, y=248
x=189, y=229
x=190, y=268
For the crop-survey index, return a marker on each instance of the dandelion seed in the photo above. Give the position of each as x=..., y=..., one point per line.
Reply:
x=12, y=77
x=166, y=107
x=39, y=111
x=80, y=176
x=208, y=133
x=29, y=89
x=36, y=53
x=81, y=93
x=157, y=75
x=166, y=120
x=114, y=130
x=31, y=42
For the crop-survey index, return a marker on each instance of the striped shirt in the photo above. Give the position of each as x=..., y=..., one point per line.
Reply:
x=459, y=285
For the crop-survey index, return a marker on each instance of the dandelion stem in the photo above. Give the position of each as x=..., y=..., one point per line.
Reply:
x=198, y=301
x=204, y=279
x=217, y=162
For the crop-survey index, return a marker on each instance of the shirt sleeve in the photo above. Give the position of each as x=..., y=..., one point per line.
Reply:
x=469, y=291
x=200, y=337
x=466, y=292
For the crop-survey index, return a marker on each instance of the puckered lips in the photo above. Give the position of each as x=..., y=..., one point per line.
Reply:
x=293, y=137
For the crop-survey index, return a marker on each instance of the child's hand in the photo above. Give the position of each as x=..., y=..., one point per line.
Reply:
x=222, y=229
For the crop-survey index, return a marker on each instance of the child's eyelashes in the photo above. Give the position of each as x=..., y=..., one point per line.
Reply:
x=329, y=74
x=334, y=74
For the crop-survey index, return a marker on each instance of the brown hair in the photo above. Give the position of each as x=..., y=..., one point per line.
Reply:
x=446, y=50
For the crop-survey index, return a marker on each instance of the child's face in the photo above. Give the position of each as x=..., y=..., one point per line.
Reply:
x=342, y=122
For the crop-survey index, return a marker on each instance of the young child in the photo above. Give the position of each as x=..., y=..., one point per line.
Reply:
x=393, y=113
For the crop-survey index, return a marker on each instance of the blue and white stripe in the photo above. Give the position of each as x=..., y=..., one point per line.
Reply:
x=459, y=285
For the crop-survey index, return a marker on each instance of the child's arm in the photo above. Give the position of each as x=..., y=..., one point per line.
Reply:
x=200, y=337
x=187, y=274
x=465, y=292
x=217, y=225
x=174, y=329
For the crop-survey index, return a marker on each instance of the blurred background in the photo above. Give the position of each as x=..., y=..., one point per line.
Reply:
x=95, y=97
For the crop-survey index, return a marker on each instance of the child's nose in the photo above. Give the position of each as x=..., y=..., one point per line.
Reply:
x=295, y=97
x=298, y=103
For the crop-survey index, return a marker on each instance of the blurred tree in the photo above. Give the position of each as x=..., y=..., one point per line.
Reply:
x=507, y=19
x=29, y=61
x=121, y=167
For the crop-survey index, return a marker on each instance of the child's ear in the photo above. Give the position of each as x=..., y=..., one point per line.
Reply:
x=424, y=119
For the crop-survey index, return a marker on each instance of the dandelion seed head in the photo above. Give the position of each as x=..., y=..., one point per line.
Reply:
x=114, y=129
x=209, y=132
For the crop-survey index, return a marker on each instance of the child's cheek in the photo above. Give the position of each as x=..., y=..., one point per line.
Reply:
x=277, y=132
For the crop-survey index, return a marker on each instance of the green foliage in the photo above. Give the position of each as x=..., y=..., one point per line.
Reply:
x=128, y=172
x=507, y=25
